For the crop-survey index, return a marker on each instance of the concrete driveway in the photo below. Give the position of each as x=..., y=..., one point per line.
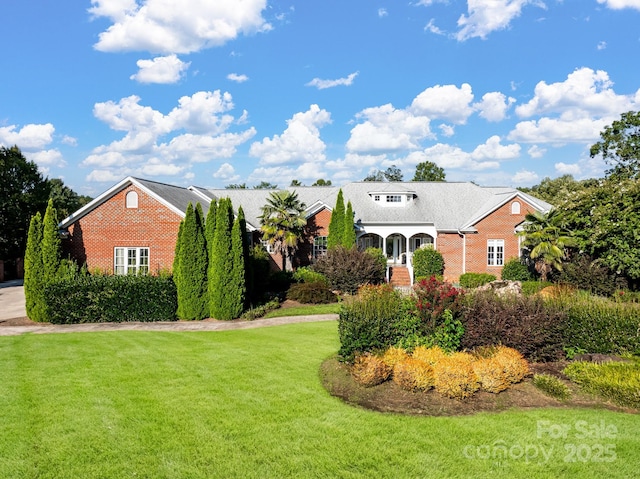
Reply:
x=12, y=300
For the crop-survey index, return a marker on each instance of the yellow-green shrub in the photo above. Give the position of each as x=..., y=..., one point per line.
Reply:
x=369, y=370
x=491, y=375
x=413, y=375
x=394, y=355
x=430, y=355
x=454, y=377
x=515, y=367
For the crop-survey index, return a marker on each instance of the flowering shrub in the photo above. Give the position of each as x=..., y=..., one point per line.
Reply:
x=432, y=297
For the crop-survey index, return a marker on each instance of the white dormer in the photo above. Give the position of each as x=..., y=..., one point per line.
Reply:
x=391, y=199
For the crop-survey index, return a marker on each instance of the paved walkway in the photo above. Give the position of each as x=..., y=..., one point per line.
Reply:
x=12, y=305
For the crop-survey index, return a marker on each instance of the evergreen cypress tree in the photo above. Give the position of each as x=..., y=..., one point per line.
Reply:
x=210, y=223
x=336, y=225
x=237, y=287
x=349, y=233
x=34, y=271
x=192, y=267
x=176, y=264
x=248, y=270
x=50, y=245
x=222, y=263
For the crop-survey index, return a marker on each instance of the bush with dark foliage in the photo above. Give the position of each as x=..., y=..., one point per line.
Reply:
x=593, y=276
x=106, y=299
x=311, y=293
x=348, y=269
x=525, y=323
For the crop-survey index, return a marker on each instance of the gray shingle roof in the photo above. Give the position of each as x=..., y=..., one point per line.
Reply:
x=447, y=206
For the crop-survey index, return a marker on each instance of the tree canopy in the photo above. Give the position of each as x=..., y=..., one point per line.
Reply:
x=265, y=185
x=23, y=193
x=620, y=146
x=65, y=200
x=392, y=173
x=428, y=171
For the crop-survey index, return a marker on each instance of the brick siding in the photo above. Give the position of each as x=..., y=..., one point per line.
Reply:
x=152, y=225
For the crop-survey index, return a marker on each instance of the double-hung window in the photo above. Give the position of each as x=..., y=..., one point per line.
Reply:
x=319, y=246
x=495, y=252
x=131, y=260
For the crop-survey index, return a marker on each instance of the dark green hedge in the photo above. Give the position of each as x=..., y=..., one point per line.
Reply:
x=104, y=299
x=474, y=280
x=602, y=327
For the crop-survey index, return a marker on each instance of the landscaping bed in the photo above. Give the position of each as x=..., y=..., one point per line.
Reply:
x=389, y=397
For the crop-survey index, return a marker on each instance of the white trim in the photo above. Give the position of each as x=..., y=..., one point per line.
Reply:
x=197, y=191
x=86, y=209
x=517, y=194
x=316, y=208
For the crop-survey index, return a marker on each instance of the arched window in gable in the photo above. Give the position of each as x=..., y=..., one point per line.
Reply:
x=515, y=208
x=132, y=199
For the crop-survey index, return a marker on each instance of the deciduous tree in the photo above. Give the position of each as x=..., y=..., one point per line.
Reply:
x=428, y=171
x=23, y=193
x=620, y=146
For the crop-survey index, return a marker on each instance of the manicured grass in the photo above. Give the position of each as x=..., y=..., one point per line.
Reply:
x=310, y=309
x=248, y=404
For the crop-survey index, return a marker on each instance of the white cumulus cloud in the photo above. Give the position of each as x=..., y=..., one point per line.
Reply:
x=237, y=78
x=486, y=16
x=447, y=102
x=167, y=69
x=567, y=168
x=323, y=84
x=620, y=4
x=386, y=128
x=525, y=177
x=300, y=142
x=494, y=106
x=492, y=149
x=32, y=136
x=159, y=26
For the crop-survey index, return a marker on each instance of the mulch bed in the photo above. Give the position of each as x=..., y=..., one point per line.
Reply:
x=389, y=397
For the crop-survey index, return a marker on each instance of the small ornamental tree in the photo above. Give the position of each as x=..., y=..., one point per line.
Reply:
x=192, y=267
x=221, y=266
x=427, y=262
x=349, y=233
x=34, y=272
x=50, y=246
x=336, y=225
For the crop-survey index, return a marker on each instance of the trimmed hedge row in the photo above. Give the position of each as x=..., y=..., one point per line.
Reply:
x=602, y=326
x=475, y=280
x=104, y=299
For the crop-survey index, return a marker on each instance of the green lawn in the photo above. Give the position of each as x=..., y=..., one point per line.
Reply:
x=250, y=404
x=308, y=309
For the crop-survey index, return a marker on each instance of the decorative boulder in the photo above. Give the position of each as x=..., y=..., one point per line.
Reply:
x=503, y=287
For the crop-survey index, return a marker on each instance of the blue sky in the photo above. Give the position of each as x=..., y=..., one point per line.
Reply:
x=500, y=92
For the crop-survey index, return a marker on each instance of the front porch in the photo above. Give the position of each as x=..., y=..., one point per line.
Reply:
x=397, y=245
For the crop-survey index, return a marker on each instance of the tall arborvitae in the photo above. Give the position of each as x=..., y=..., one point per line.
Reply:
x=221, y=266
x=210, y=223
x=349, y=233
x=192, y=267
x=34, y=271
x=176, y=255
x=237, y=291
x=248, y=270
x=50, y=245
x=336, y=225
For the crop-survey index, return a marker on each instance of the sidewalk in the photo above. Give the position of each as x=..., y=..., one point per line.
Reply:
x=12, y=300
x=206, y=325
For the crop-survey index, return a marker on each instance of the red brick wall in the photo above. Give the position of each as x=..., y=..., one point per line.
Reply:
x=500, y=224
x=317, y=225
x=153, y=225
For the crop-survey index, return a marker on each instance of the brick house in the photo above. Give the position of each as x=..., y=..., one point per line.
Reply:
x=133, y=226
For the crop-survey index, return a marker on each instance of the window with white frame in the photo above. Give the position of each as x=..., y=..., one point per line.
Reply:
x=376, y=197
x=495, y=252
x=131, y=260
x=268, y=246
x=319, y=246
x=515, y=208
x=131, y=199
x=394, y=199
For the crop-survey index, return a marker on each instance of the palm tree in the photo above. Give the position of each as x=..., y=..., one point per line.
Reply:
x=282, y=223
x=547, y=240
